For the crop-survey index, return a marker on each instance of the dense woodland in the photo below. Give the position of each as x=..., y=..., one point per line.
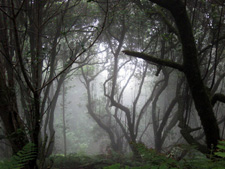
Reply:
x=112, y=84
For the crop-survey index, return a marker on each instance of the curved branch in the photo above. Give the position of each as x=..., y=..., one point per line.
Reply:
x=98, y=120
x=127, y=82
x=186, y=133
x=154, y=60
x=218, y=97
x=122, y=127
x=167, y=114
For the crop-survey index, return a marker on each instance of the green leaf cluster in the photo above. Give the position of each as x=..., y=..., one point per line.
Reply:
x=221, y=149
x=22, y=158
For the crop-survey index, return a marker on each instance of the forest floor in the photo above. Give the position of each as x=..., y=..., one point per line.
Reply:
x=148, y=159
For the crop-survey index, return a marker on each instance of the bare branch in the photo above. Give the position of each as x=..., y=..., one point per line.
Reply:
x=218, y=97
x=185, y=132
x=210, y=45
x=4, y=12
x=18, y=50
x=166, y=115
x=154, y=60
x=75, y=58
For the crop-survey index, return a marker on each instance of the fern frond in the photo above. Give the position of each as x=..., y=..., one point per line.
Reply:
x=18, y=161
x=221, y=149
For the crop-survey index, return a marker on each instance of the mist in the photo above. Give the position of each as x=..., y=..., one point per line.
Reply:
x=111, y=80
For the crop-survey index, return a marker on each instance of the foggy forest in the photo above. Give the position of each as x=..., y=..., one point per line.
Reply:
x=112, y=84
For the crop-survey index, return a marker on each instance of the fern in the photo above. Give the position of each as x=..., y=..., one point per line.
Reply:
x=221, y=149
x=22, y=157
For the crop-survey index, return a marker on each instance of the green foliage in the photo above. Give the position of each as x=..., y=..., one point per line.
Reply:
x=71, y=160
x=22, y=157
x=201, y=162
x=153, y=160
x=221, y=149
x=61, y=161
x=114, y=166
x=148, y=159
x=150, y=156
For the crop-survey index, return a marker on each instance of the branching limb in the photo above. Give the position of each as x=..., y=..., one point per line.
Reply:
x=210, y=45
x=218, y=97
x=18, y=50
x=154, y=60
x=186, y=131
x=80, y=54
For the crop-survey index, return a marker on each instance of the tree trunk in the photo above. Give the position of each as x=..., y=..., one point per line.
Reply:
x=192, y=71
x=64, y=120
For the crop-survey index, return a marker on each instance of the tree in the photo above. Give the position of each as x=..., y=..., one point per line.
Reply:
x=102, y=116
x=191, y=69
x=28, y=60
x=125, y=30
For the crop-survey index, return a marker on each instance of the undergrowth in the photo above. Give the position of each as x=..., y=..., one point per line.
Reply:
x=150, y=159
x=22, y=158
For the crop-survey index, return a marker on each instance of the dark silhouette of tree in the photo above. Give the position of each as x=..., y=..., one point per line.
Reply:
x=103, y=116
x=31, y=32
x=191, y=69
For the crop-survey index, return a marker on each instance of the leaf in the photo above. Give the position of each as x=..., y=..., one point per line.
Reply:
x=22, y=157
x=220, y=154
x=164, y=166
x=154, y=167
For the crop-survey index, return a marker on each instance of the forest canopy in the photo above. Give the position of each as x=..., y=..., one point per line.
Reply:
x=103, y=76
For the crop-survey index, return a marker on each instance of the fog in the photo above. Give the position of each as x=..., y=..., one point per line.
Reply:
x=83, y=134
x=96, y=77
